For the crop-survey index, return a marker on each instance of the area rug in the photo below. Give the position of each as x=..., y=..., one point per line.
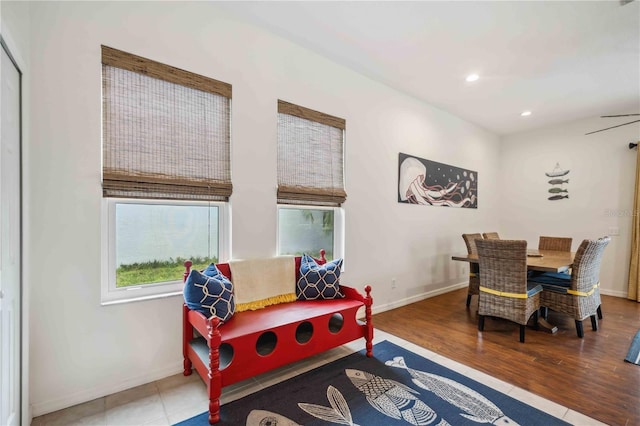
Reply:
x=395, y=387
x=633, y=356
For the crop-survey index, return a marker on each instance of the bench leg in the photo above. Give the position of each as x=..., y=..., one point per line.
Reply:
x=214, y=411
x=215, y=380
x=369, y=324
x=369, y=344
x=187, y=335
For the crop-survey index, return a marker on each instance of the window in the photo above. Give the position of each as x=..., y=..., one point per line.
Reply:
x=150, y=240
x=166, y=174
x=307, y=229
x=310, y=181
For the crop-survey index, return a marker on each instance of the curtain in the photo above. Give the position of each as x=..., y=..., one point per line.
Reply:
x=634, y=264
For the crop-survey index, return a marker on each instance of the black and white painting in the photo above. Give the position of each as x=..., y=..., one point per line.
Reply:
x=423, y=181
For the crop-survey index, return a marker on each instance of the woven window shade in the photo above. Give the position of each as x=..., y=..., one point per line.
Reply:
x=310, y=157
x=166, y=132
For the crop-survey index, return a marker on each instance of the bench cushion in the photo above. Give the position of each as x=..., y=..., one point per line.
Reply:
x=318, y=281
x=553, y=281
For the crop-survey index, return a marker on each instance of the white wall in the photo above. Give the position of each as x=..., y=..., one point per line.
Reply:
x=600, y=189
x=81, y=350
x=15, y=30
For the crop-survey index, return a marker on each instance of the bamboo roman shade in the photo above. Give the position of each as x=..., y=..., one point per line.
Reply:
x=166, y=131
x=310, y=156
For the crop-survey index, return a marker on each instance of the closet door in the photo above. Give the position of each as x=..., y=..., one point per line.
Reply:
x=10, y=244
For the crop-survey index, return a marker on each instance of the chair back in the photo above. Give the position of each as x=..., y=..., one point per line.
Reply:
x=491, y=236
x=585, y=273
x=503, y=265
x=555, y=243
x=470, y=241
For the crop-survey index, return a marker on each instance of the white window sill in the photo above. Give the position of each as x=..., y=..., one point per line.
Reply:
x=140, y=298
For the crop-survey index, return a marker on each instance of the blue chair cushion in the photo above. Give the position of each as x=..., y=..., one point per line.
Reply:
x=533, y=289
x=210, y=293
x=553, y=281
x=318, y=281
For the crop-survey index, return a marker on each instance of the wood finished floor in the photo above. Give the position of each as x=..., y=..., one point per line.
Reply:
x=588, y=375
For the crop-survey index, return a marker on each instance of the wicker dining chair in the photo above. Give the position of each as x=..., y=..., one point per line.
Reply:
x=578, y=294
x=491, y=236
x=474, y=275
x=555, y=243
x=504, y=289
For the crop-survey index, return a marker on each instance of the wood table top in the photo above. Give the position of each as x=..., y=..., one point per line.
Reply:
x=537, y=260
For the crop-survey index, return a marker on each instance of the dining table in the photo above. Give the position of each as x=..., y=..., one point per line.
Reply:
x=537, y=260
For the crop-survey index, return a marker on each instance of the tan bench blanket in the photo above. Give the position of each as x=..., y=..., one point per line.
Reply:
x=258, y=283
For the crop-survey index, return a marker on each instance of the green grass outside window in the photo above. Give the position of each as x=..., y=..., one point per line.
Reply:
x=157, y=271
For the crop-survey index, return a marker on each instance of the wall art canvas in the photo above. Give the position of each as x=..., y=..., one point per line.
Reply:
x=423, y=181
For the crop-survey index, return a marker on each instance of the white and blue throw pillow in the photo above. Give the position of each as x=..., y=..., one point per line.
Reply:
x=318, y=281
x=210, y=293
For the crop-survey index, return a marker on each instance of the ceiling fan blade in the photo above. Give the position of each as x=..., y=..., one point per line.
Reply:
x=621, y=115
x=612, y=127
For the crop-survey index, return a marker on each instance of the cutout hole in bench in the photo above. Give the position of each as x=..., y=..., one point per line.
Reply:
x=304, y=331
x=266, y=343
x=335, y=322
x=226, y=355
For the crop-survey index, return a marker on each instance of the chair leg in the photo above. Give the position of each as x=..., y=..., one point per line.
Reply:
x=522, y=327
x=544, y=311
x=594, y=323
x=468, y=299
x=600, y=312
x=579, y=329
x=535, y=320
x=480, y=322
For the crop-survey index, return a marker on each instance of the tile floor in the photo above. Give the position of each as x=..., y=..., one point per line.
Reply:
x=177, y=398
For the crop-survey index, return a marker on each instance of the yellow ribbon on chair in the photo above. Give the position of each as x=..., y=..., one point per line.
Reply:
x=582, y=293
x=504, y=293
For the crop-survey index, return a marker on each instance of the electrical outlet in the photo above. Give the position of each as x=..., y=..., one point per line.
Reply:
x=393, y=283
x=613, y=231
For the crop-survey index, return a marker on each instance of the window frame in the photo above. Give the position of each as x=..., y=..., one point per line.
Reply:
x=109, y=293
x=338, y=226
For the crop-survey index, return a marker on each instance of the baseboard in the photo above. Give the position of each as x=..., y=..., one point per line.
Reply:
x=407, y=301
x=416, y=298
x=45, y=407
x=606, y=292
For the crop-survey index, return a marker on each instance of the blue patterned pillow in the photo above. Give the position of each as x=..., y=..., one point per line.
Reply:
x=210, y=293
x=318, y=281
x=212, y=270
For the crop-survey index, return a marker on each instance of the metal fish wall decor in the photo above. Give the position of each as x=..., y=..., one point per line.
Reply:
x=558, y=191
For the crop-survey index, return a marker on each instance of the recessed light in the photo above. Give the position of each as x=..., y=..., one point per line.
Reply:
x=525, y=113
x=472, y=77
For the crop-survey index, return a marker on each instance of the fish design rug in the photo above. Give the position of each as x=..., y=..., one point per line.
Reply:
x=395, y=387
x=633, y=356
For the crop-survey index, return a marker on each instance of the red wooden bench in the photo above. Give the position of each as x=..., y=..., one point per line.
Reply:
x=254, y=342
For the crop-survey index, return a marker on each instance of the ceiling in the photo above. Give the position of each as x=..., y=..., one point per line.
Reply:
x=561, y=60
